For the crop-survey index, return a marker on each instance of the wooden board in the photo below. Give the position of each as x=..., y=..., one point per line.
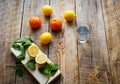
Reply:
x=10, y=24
x=33, y=8
x=63, y=48
x=93, y=55
x=42, y=79
x=111, y=9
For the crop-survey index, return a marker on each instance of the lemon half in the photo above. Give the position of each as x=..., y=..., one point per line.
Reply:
x=33, y=50
x=41, y=59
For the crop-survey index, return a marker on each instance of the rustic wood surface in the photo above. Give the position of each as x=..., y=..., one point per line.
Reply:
x=95, y=62
x=111, y=10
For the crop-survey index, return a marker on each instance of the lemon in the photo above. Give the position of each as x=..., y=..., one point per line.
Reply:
x=33, y=50
x=47, y=10
x=45, y=38
x=41, y=59
x=69, y=15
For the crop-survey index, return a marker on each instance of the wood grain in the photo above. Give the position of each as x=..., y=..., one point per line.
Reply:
x=33, y=8
x=93, y=55
x=111, y=9
x=10, y=24
x=63, y=49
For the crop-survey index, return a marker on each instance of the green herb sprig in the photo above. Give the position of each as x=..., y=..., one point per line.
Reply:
x=21, y=44
x=49, y=69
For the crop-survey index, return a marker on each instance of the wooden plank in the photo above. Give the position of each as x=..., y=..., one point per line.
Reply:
x=10, y=24
x=93, y=55
x=63, y=49
x=2, y=69
x=33, y=8
x=111, y=9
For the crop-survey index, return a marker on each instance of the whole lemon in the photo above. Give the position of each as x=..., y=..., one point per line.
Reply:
x=45, y=38
x=69, y=15
x=47, y=10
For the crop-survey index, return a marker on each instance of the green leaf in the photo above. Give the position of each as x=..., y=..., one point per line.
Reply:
x=22, y=40
x=16, y=46
x=45, y=69
x=31, y=40
x=19, y=58
x=19, y=71
x=54, y=68
x=22, y=50
x=31, y=64
x=49, y=69
x=27, y=44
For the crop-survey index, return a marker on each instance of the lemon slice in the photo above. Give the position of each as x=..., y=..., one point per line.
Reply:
x=33, y=50
x=41, y=59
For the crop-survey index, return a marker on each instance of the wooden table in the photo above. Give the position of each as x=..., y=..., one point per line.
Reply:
x=95, y=62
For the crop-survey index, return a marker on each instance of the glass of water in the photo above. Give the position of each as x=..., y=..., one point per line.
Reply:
x=83, y=31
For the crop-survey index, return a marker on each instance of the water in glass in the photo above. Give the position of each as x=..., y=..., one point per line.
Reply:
x=82, y=31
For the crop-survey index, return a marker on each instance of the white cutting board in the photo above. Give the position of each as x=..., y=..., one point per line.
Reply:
x=42, y=79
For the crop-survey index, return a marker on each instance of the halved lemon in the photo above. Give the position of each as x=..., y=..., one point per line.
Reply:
x=33, y=50
x=41, y=59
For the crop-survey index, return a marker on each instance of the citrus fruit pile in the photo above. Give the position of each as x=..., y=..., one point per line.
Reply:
x=55, y=23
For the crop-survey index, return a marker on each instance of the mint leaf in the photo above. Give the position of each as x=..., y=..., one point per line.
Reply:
x=19, y=58
x=49, y=69
x=22, y=40
x=31, y=64
x=22, y=50
x=45, y=69
x=19, y=71
x=54, y=68
x=16, y=46
x=27, y=44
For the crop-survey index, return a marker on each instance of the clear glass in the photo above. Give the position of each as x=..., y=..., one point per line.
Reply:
x=83, y=32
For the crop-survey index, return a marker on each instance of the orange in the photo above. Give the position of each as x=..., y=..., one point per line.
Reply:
x=35, y=22
x=56, y=24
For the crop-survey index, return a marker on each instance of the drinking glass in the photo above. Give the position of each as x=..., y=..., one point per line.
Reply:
x=83, y=31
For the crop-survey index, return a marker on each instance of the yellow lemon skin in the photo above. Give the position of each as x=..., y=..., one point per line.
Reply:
x=47, y=10
x=33, y=50
x=45, y=38
x=69, y=15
